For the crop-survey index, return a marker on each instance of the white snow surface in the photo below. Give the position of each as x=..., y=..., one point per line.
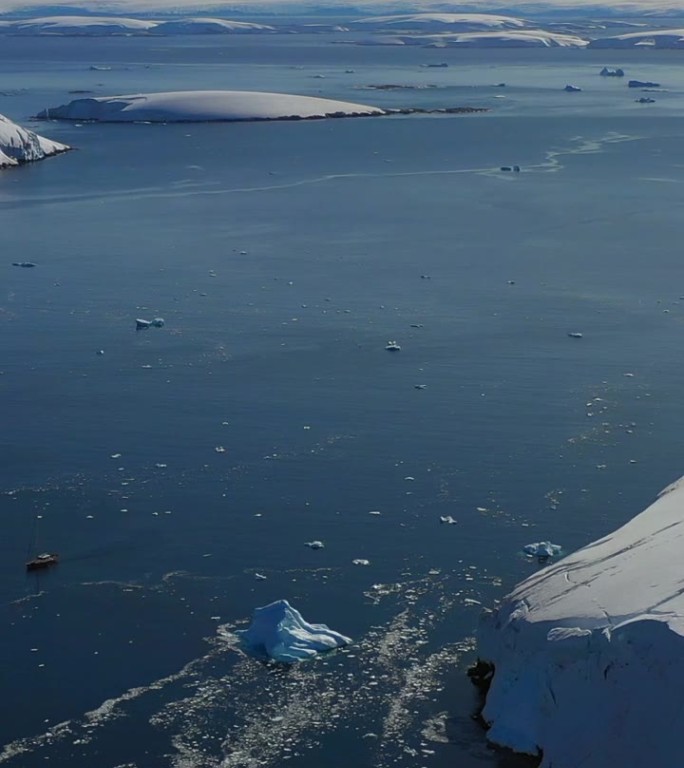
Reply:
x=279, y=632
x=660, y=38
x=208, y=26
x=466, y=22
x=80, y=25
x=589, y=652
x=201, y=106
x=19, y=145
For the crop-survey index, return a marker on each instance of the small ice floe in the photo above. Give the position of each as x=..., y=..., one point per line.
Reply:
x=360, y=561
x=448, y=519
x=314, y=544
x=279, y=632
x=542, y=550
x=572, y=89
x=220, y=449
x=375, y=512
x=24, y=264
x=392, y=346
x=574, y=335
x=645, y=100
x=100, y=352
x=419, y=386
x=260, y=577
x=141, y=324
x=115, y=456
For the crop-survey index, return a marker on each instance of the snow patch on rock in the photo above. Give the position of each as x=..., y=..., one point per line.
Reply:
x=589, y=652
x=466, y=22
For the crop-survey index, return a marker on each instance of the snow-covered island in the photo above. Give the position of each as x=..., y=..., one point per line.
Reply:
x=586, y=657
x=19, y=145
x=205, y=106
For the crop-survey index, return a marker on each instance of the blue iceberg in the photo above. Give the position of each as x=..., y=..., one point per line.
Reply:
x=542, y=549
x=280, y=633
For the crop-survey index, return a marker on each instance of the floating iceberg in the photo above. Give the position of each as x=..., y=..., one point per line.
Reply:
x=588, y=654
x=542, y=549
x=19, y=145
x=279, y=632
x=205, y=106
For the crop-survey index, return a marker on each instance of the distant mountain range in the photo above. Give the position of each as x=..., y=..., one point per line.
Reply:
x=253, y=8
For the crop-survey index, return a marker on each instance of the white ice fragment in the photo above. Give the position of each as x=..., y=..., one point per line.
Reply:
x=141, y=324
x=158, y=322
x=375, y=512
x=575, y=335
x=360, y=561
x=314, y=544
x=115, y=456
x=448, y=519
x=542, y=549
x=280, y=633
x=260, y=577
x=220, y=449
x=572, y=89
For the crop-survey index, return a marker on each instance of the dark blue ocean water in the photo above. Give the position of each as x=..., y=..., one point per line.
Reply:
x=283, y=257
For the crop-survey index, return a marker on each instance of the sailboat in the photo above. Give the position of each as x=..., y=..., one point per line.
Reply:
x=43, y=560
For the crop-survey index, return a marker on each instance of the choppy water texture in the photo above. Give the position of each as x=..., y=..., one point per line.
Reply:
x=182, y=461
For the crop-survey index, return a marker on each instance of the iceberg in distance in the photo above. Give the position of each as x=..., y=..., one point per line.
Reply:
x=280, y=633
x=588, y=654
x=19, y=145
x=205, y=106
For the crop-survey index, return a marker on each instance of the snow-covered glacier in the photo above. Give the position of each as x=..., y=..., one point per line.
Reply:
x=279, y=632
x=19, y=145
x=201, y=106
x=588, y=654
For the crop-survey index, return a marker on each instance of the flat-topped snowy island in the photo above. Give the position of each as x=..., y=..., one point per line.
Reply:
x=588, y=654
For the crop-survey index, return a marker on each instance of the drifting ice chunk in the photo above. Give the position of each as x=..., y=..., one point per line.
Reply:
x=314, y=544
x=392, y=346
x=542, y=549
x=279, y=632
x=141, y=324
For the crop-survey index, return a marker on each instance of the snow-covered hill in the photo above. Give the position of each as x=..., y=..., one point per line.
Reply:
x=204, y=106
x=19, y=145
x=453, y=22
x=588, y=654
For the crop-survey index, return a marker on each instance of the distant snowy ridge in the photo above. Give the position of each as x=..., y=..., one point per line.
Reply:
x=205, y=106
x=19, y=145
x=462, y=22
x=572, y=9
x=659, y=38
x=208, y=26
x=588, y=653
x=101, y=26
x=513, y=38
x=79, y=25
